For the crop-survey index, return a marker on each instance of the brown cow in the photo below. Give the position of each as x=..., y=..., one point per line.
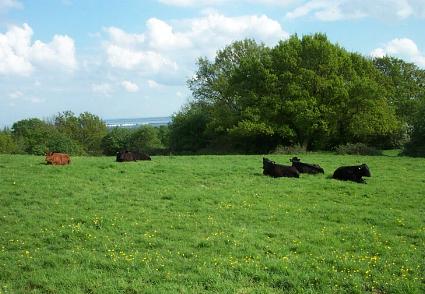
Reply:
x=57, y=158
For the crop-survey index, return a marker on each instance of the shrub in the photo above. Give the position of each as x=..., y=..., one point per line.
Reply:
x=117, y=139
x=59, y=142
x=87, y=129
x=295, y=149
x=145, y=139
x=187, y=131
x=37, y=137
x=416, y=146
x=357, y=149
x=32, y=135
x=7, y=144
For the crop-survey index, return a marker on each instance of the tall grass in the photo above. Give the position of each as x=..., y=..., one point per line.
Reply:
x=210, y=224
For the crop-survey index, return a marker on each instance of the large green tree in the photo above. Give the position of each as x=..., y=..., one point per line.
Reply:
x=7, y=143
x=35, y=136
x=416, y=145
x=87, y=129
x=233, y=96
x=405, y=83
x=187, y=132
x=145, y=139
x=304, y=91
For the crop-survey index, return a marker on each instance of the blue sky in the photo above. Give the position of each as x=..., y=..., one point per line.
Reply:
x=122, y=59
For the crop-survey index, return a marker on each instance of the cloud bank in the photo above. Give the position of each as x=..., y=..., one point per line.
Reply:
x=326, y=10
x=334, y=10
x=130, y=86
x=170, y=49
x=10, y=4
x=19, y=56
x=403, y=48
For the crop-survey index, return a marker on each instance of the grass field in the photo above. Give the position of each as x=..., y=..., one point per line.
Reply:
x=196, y=224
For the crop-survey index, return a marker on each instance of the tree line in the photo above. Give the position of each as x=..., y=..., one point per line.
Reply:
x=305, y=92
x=85, y=134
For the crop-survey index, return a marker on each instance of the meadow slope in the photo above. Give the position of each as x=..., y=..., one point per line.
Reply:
x=196, y=224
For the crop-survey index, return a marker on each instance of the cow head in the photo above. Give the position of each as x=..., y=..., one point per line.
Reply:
x=120, y=156
x=267, y=164
x=364, y=170
x=295, y=159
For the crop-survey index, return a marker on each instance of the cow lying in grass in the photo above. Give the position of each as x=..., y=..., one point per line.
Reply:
x=57, y=158
x=131, y=156
x=306, y=167
x=352, y=173
x=275, y=170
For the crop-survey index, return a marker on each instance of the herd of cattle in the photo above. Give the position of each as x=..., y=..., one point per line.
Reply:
x=270, y=168
x=345, y=173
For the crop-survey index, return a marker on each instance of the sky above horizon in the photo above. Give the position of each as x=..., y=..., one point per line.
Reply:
x=124, y=59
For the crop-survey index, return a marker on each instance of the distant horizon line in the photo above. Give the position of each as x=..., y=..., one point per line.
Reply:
x=8, y=126
x=135, y=122
x=144, y=117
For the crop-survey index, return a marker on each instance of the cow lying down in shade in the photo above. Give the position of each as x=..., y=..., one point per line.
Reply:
x=275, y=170
x=131, y=156
x=306, y=167
x=352, y=173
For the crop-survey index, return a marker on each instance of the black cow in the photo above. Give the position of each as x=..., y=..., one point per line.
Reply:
x=352, y=173
x=278, y=170
x=306, y=167
x=131, y=156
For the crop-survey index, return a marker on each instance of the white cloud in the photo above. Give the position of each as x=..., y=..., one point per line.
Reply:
x=118, y=36
x=326, y=10
x=403, y=48
x=148, y=61
x=153, y=85
x=128, y=51
x=61, y=51
x=14, y=51
x=130, y=86
x=9, y=4
x=19, y=97
x=162, y=37
x=166, y=52
x=16, y=95
x=35, y=99
x=220, y=30
x=20, y=57
x=378, y=52
x=333, y=10
x=104, y=89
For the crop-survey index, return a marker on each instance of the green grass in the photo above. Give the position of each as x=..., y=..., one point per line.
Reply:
x=196, y=224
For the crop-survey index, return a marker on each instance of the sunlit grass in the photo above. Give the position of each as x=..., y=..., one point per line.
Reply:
x=210, y=224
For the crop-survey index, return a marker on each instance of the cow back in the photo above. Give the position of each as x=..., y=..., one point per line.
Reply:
x=352, y=173
x=131, y=156
x=278, y=170
x=55, y=158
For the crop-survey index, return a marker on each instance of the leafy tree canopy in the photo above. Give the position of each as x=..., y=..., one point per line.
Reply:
x=304, y=91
